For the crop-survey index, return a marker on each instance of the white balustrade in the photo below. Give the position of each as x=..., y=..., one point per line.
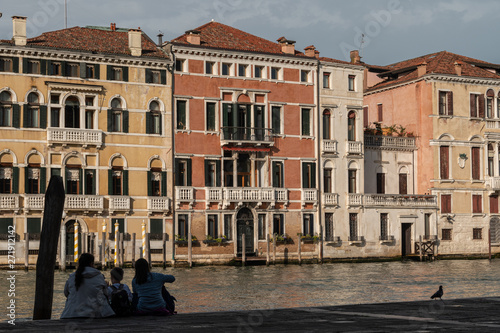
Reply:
x=159, y=204
x=354, y=147
x=355, y=199
x=74, y=136
x=281, y=194
x=330, y=146
x=34, y=201
x=83, y=202
x=309, y=195
x=9, y=201
x=184, y=193
x=405, y=200
x=330, y=199
x=119, y=202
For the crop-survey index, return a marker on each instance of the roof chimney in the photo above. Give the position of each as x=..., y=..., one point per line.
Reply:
x=135, y=42
x=355, y=58
x=422, y=69
x=311, y=51
x=287, y=46
x=458, y=67
x=160, y=39
x=19, y=30
x=193, y=37
x=112, y=27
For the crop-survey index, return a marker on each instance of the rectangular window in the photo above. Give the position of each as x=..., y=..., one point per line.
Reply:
x=476, y=163
x=181, y=115
x=427, y=226
x=329, y=230
x=226, y=69
x=33, y=173
x=308, y=224
x=446, y=234
x=259, y=71
x=242, y=70
x=33, y=225
x=445, y=203
x=380, y=111
x=33, y=66
x=116, y=179
x=117, y=74
x=5, y=223
x=306, y=122
x=494, y=204
x=326, y=80
x=182, y=226
x=54, y=117
x=381, y=183
x=353, y=226
x=327, y=180
x=6, y=65
x=182, y=172
x=275, y=73
x=278, y=174
x=213, y=226
x=365, y=117
x=31, y=116
x=90, y=182
x=477, y=106
x=308, y=175
x=228, y=222
x=209, y=67
x=262, y=226
x=351, y=175
x=55, y=68
x=90, y=71
x=5, y=115
x=403, y=183
x=179, y=65
x=304, y=76
x=210, y=173
x=116, y=121
x=352, y=81
x=477, y=233
x=477, y=203
x=73, y=180
x=89, y=119
x=73, y=69
x=444, y=157
x=276, y=119
x=384, y=234
x=156, y=228
x=210, y=117
x=155, y=180
x=278, y=224
x=445, y=103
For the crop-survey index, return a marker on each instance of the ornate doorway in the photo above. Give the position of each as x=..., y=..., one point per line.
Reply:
x=245, y=225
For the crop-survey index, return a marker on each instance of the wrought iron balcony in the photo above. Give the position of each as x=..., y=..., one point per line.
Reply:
x=9, y=202
x=404, y=200
x=329, y=147
x=78, y=202
x=159, y=204
x=252, y=135
x=354, y=147
x=330, y=199
x=119, y=203
x=390, y=142
x=76, y=136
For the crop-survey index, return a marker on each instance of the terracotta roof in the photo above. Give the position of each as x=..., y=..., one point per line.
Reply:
x=220, y=36
x=436, y=63
x=92, y=39
x=338, y=61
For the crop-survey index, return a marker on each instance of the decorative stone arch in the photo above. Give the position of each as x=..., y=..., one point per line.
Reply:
x=476, y=139
x=124, y=102
x=446, y=137
x=155, y=99
x=353, y=165
x=381, y=169
x=118, y=156
x=329, y=164
x=403, y=170
x=9, y=152
x=81, y=99
x=243, y=98
x=355, y=111
x=31, y=153
x=41, y=98
x=156, y=157
x=83, y=225
x=71, y=155
x=12, y=93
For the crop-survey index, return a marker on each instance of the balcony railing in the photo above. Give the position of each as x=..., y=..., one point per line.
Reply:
x=77, y=136
x=393, y=142
x=119, y=203
x=492, y=124
x=354, y=199
x=354, y=147
x=159, y=204
x=213, y=194
x=34, y=201
x=252, y=194
x=247, y=135
x=329, y=146
x=309, y=196
x=184, y=193
x=330, y=199
x=494, y=183
x=281, y=195
x=84, y=202
x=9, y=202
x=405, y=200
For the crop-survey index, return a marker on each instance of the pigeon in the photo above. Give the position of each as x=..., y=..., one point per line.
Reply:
x=438, y=294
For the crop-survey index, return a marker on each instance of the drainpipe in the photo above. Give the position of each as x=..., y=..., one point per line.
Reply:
x=318, y=165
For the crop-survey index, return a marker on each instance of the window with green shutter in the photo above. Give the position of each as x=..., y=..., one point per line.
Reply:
x=6, y=223
x=308, y=175
x=121, y=225
x=306, y=122
x=210, y=116
x=156, y=226
x=276, y=119
x=181, y=115
x=33, y=225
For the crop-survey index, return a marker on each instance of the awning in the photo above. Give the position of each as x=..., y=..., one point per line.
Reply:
x=247, y=148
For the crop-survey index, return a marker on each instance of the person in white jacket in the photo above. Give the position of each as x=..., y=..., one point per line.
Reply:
x=86, y=292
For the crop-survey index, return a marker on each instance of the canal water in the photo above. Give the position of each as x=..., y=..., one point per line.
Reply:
x=216, y=288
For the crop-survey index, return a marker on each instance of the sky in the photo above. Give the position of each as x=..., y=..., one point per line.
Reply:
x=385, y=31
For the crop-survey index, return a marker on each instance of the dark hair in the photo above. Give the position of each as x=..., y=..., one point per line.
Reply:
x=141, y=271
x=117, y=273
x=85, y=260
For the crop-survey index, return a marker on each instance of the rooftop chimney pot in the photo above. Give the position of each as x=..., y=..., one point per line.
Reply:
x=287, y=46
x=355, y=58
x=458, y=68
x=135, y=42
x=19, y=30
x=422, y=69
x=193, y=37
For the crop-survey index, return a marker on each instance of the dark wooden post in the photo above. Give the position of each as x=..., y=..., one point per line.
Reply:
x=148, y=249
x=267, y=253
x=164, y=242
x=190, y=249
x=133, y=250
x=299, y=250
x=489, y=243
x=243, y=250
x=122, y=250
x=52, y=215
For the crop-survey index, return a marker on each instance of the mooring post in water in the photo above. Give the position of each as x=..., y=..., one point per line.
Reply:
x=190, y=249
x=243, y=250
x=148, y=245
x=420, y=247
x=489, y=243
x=133, y=250
x=27, y=250
x=44, y=289
x=164, y=250
x=274, y=249
x=299, y=243
x=268, y=249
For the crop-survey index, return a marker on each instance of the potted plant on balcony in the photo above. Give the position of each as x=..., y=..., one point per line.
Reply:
x=184, y=241
x=280, y=239
x=209, y=240
x=309, y=238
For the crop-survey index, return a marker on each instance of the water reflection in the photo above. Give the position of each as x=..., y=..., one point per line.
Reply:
x=203, y=289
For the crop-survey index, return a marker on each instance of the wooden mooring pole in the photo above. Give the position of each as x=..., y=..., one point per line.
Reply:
x=27, y=250
x=299, y=242
x=164, y=250
x=190, y=250
x=489, y=243
x=133, y=250
x=420, y=247
x=243, y=250
x=268, y=249
x=47, y=251
x=274, y=249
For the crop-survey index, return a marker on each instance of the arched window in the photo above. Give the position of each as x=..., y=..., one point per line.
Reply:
x=153, y=118
x=117, y=117
x=490, y=95
x=32, y=116
x=351, y=126
x=5, y=109
x=326, y=125
x=491, y=156
x=72, y=112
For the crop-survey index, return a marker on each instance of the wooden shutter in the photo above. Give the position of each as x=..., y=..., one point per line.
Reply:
x=313, y=175
x=43, y=116
x=276, y=121
x=306, y=122
x=444, y=161
x=275, y=174
x=15, y=64
x=80, y=181
x=97, y=71
x=148, y=181
x=476, y=163
x=449, y=95
x=25, y=65
x=15, y=180
x=83, y=70
x=380, y=183
x=63, y=68
x=109, y=72
x=16, y=115
x=380, y=113
x=125, y=121
x=163, y=183
x=217, y=173
x=365, y=117
x=304, y=176
x=125, y=182
x=149, y=127
x=163, y=76
x=110, y=120
x=26, y=180
x=125, y=73
x=149, y=76
x=403, y=183
x=207, y=173
x=445, y=203
x=43, y=67
x=473, y=107
x=178, y=180
x=110, y=182
x=26, y=108
x=494, y=204
x=43, y=180
x=188, y=172
x=211, y=117
x=481, y=106
x=476, y=204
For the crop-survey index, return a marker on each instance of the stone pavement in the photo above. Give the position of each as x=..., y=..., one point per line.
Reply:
x=457, y=315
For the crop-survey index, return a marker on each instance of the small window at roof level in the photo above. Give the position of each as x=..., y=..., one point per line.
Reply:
x=5, y=65
x=226, y=69
x=352, y=79
x=304, y=76
x=33, y=66
x=326, y=80
x=242, y=70
x=179, y=65
x=209, y=67
x=275, y=73
x=73, y=69
x=259, y=71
